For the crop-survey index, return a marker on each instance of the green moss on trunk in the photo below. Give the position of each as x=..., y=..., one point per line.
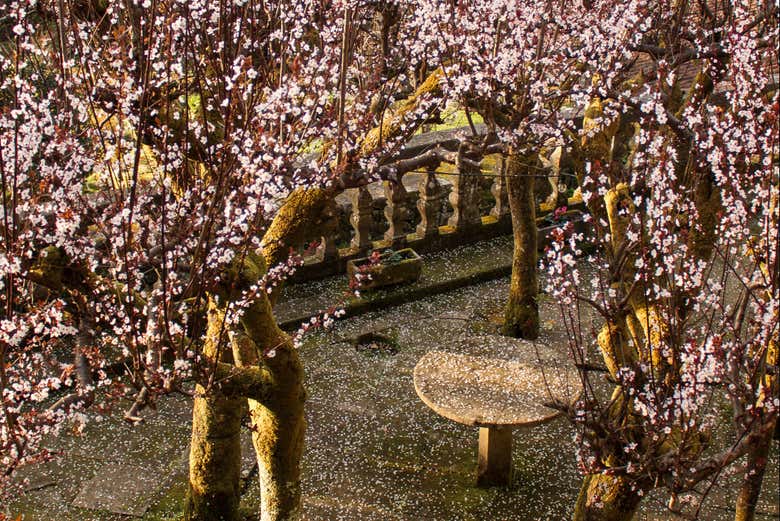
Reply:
x=606, y=498
x=215, y=459
x=278, y=434
x=215, y=450
x=278, y=423
x=521, y=318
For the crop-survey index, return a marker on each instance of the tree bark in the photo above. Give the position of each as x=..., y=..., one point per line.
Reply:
x=306, y=210
x=758, y=453
x=278, y=423
x=215, y=448
x=606, y=498
x=521, y=317
x=754, y=477
x=278, y=433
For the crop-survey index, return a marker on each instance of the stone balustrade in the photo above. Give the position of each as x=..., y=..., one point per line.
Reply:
x=428, y=211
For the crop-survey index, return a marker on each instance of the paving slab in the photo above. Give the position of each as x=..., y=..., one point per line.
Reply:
x=120, y=489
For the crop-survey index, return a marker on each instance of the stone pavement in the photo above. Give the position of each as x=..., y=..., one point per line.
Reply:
x=374, y=451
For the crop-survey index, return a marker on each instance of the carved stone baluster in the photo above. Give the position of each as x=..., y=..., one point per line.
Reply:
x=327, y=250
x=361, y=218
x=429, y=204
x=395, y=212
x=558, y=197
x=499, y=190
x=465, y=196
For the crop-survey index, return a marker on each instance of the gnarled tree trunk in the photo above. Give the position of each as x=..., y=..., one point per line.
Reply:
x=753, y=479
x=278, y=423
x=278, y=434
x=272, y=385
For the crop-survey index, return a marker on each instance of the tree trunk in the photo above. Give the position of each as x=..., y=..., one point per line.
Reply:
x=606, y=498
x=278, y=430
x=521, y=318
x=278, y=424
x=273, y=387
x=215, y=459
x=754, y=476
x=215, y=449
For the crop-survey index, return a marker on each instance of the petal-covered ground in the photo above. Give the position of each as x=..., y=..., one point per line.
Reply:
x=374, y=450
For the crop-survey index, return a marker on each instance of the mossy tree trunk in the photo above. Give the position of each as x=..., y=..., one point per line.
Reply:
x=631, y=338
x=521, y=317
x=606, y=498
x=278, y=428
x=278, y=423
x=271, y=386
x=215, y=448
x=307, y=210
x=753, y=479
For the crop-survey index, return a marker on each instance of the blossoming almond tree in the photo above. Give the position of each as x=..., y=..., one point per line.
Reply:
x=649, y=156
x=679, y=163
x=155, y=180
x=156, y=172
x=519, y=65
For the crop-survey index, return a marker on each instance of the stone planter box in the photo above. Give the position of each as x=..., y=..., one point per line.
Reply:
x=546, y=229
x=386, y=269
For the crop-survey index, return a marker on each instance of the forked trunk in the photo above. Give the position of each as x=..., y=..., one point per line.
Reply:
x=277, y=420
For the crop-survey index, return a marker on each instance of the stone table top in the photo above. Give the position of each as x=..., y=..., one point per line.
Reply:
x=486, y=391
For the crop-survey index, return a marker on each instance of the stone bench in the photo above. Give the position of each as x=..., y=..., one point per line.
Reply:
x=496, y=395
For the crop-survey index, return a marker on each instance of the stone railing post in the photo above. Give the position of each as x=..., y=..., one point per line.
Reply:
x=429, y=204
x=499, y=190
x=361, y=218
x=327, y=250
x=395, y=212
x=465, y=196
x=553, y=188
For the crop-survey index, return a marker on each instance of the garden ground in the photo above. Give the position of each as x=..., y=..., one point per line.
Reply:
x=374, y=451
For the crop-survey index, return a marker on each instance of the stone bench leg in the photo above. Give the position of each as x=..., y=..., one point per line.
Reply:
x=494, y=463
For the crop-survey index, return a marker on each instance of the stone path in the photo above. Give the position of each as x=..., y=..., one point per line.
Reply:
x=120, y=489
